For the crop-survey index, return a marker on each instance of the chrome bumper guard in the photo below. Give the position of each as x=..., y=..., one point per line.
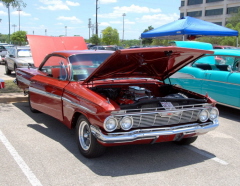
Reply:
x=154, y=133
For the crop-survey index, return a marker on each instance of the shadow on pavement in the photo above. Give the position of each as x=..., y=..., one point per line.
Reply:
x=119, y=160
x=229, y=113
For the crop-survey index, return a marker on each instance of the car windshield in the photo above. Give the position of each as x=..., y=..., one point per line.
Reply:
x=84, y=64
x=24, y=53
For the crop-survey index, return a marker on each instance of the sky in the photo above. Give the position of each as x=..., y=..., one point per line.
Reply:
x=71, y=17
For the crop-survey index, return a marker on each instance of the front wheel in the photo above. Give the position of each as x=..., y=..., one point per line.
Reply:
x=87, y=143
x=186, y=141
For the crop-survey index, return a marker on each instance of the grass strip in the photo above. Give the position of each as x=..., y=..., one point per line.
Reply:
x=10, y=87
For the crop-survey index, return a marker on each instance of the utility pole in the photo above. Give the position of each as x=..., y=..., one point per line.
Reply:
x=96, y=17
x=19, y=10
x=14, y=26
x=123, y=26
x=8, y=22
x=65, y=30
x=89, y=25
x=93, y=27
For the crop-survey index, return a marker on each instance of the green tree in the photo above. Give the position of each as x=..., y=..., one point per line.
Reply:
x=19, y=37
x=14, y=4
x=234, y=19
x=147, y=41
x=95, y=39
x=110, y=36
x=4, y=38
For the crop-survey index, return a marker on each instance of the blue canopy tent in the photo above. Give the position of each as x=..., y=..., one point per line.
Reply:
x=190, y=26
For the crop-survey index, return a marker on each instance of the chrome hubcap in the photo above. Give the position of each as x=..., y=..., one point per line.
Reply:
x=84, y=135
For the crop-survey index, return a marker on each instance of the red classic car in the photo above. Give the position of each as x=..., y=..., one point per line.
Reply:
x=116, y=98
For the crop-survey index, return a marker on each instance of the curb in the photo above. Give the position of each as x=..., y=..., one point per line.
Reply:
x=13, y=97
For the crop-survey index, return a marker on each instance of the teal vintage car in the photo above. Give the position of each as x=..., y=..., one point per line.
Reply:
x=216, y=75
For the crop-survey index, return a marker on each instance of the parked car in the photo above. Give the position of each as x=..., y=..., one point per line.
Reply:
x=223, y=47
x=9, y=48
x=216, y=75
x=3, y=53
x=97, y=48
x=90, y=45
x=117, y=98
x=113, y=48
x=19, y=57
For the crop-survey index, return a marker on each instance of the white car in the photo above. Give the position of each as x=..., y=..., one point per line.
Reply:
x=18, y=57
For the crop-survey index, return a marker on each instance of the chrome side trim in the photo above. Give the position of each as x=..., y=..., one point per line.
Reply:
x=77, y=105
x=152, y=133
x=23, y=80
x=43, y=93
x=211, y=81
x=20, y=72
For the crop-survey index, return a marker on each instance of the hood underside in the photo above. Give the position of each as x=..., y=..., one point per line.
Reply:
x=157, y=63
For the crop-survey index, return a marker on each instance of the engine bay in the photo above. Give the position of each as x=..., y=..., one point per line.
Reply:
x=147, y=96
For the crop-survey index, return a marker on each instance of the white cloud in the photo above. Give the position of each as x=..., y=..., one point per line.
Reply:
x=118, y=11
x=22, y=13
x=59, y=24
x=1, y=4
x=107, y=1
x=57, y=4
x=135, y=9
x=55, y=7
x=3, y=13
x=104, y=24
x=35, y=19
x=126, y=21
x=70, y=3
x=158, y=19
x=73, y=19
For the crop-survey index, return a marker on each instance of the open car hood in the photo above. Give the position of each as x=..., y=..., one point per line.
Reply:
x=41, y=46
x=157, y=63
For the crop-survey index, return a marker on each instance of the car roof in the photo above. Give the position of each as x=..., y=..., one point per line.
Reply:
x=227, y=52
x=22, y=47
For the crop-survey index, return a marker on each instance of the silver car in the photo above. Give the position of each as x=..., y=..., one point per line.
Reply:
x=18, y=57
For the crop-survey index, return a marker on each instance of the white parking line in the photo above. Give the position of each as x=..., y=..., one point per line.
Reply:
x=26, y=170
x=207, y=155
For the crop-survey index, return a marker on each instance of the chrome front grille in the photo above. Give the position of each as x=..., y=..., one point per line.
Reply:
x=155, y=117
x=149, y=120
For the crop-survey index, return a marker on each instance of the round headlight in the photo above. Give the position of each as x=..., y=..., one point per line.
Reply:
x=203, y=116
x=110, y=124
x=213, y=114
x=126, y=123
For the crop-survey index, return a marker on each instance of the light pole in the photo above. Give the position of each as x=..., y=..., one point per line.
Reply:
x=8, y=22
x=19, y=10
x=97, y=17
x=45, y=32
x=123, y=26
x=65, y=30
x=89, y=25
x=14, y=26
x=33, y=32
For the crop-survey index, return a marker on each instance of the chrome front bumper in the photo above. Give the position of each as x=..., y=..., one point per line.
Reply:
x=153, y=133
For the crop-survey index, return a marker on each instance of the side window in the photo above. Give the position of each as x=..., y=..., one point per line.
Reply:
x=205, y=63
x=217, y=63
x=56, y=67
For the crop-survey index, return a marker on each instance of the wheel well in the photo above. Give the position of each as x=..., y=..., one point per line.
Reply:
x=75, y=118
